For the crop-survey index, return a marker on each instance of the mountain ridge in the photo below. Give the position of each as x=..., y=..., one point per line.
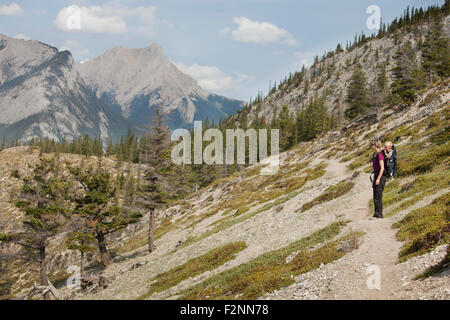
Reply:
x=148, y=79
x=44, y=93
x=328, y=77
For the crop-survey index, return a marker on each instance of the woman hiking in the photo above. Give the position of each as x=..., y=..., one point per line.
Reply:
x=379, y=180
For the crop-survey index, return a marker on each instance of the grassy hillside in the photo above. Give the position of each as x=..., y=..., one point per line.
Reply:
x=264, y=214
x=16, y=163
x=316, y=188
x=251, y=236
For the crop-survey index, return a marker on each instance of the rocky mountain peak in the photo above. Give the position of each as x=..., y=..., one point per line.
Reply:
x=18, y=56
x=137, y=80
x=45, y=93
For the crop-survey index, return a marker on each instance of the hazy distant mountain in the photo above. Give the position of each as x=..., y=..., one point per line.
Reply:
x=43, y=95
x=137, y=80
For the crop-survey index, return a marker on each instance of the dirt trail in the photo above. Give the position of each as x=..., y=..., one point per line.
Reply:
x=347, y=277
x=379, y=248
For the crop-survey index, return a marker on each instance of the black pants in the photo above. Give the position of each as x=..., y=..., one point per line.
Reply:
x=378, y=196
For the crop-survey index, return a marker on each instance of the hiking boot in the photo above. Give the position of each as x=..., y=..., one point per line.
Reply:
x=375, y=217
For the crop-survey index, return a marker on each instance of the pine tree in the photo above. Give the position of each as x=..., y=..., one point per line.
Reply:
x=408, y=78
x=157, y=157
x=305, y=90
x=382, y=82
x=94, y=205
x=87, y=147
x=357, y=97
x=42, y=200
x=436, y=52
x=130, y=192
x=285, y=124
x=380, y=87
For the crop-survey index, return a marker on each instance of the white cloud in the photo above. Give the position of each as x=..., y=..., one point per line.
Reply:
x=22, y=36
x=12, y=10
x=213, y=79
x=209, y=78
x=249, y=31
x=89, y=19
x=111, y=18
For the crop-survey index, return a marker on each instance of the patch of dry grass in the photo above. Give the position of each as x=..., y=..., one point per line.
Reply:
x=271, y=270
x=329, y=194
x=194, y=267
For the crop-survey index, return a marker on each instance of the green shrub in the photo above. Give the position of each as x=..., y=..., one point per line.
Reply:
x=316, y=172
x=271, y=271
x=329, y=194
x=241, y=210
x=194, y=267
x=403, y=131
x=441, y=137
x=425, y=228
x=420, y=161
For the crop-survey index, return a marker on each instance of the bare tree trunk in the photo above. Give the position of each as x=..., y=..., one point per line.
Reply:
x=43, y=271
x=82, y=266
x=104, y=254
x=151, y=227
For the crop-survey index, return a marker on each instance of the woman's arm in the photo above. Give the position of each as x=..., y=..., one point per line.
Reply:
x=381, y=171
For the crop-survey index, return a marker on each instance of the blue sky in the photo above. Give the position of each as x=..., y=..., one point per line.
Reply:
x=232, y=47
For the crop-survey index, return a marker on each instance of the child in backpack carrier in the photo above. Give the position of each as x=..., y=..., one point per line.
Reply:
x=390, y=155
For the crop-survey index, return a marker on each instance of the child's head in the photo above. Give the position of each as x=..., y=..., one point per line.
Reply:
x=388, y=145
